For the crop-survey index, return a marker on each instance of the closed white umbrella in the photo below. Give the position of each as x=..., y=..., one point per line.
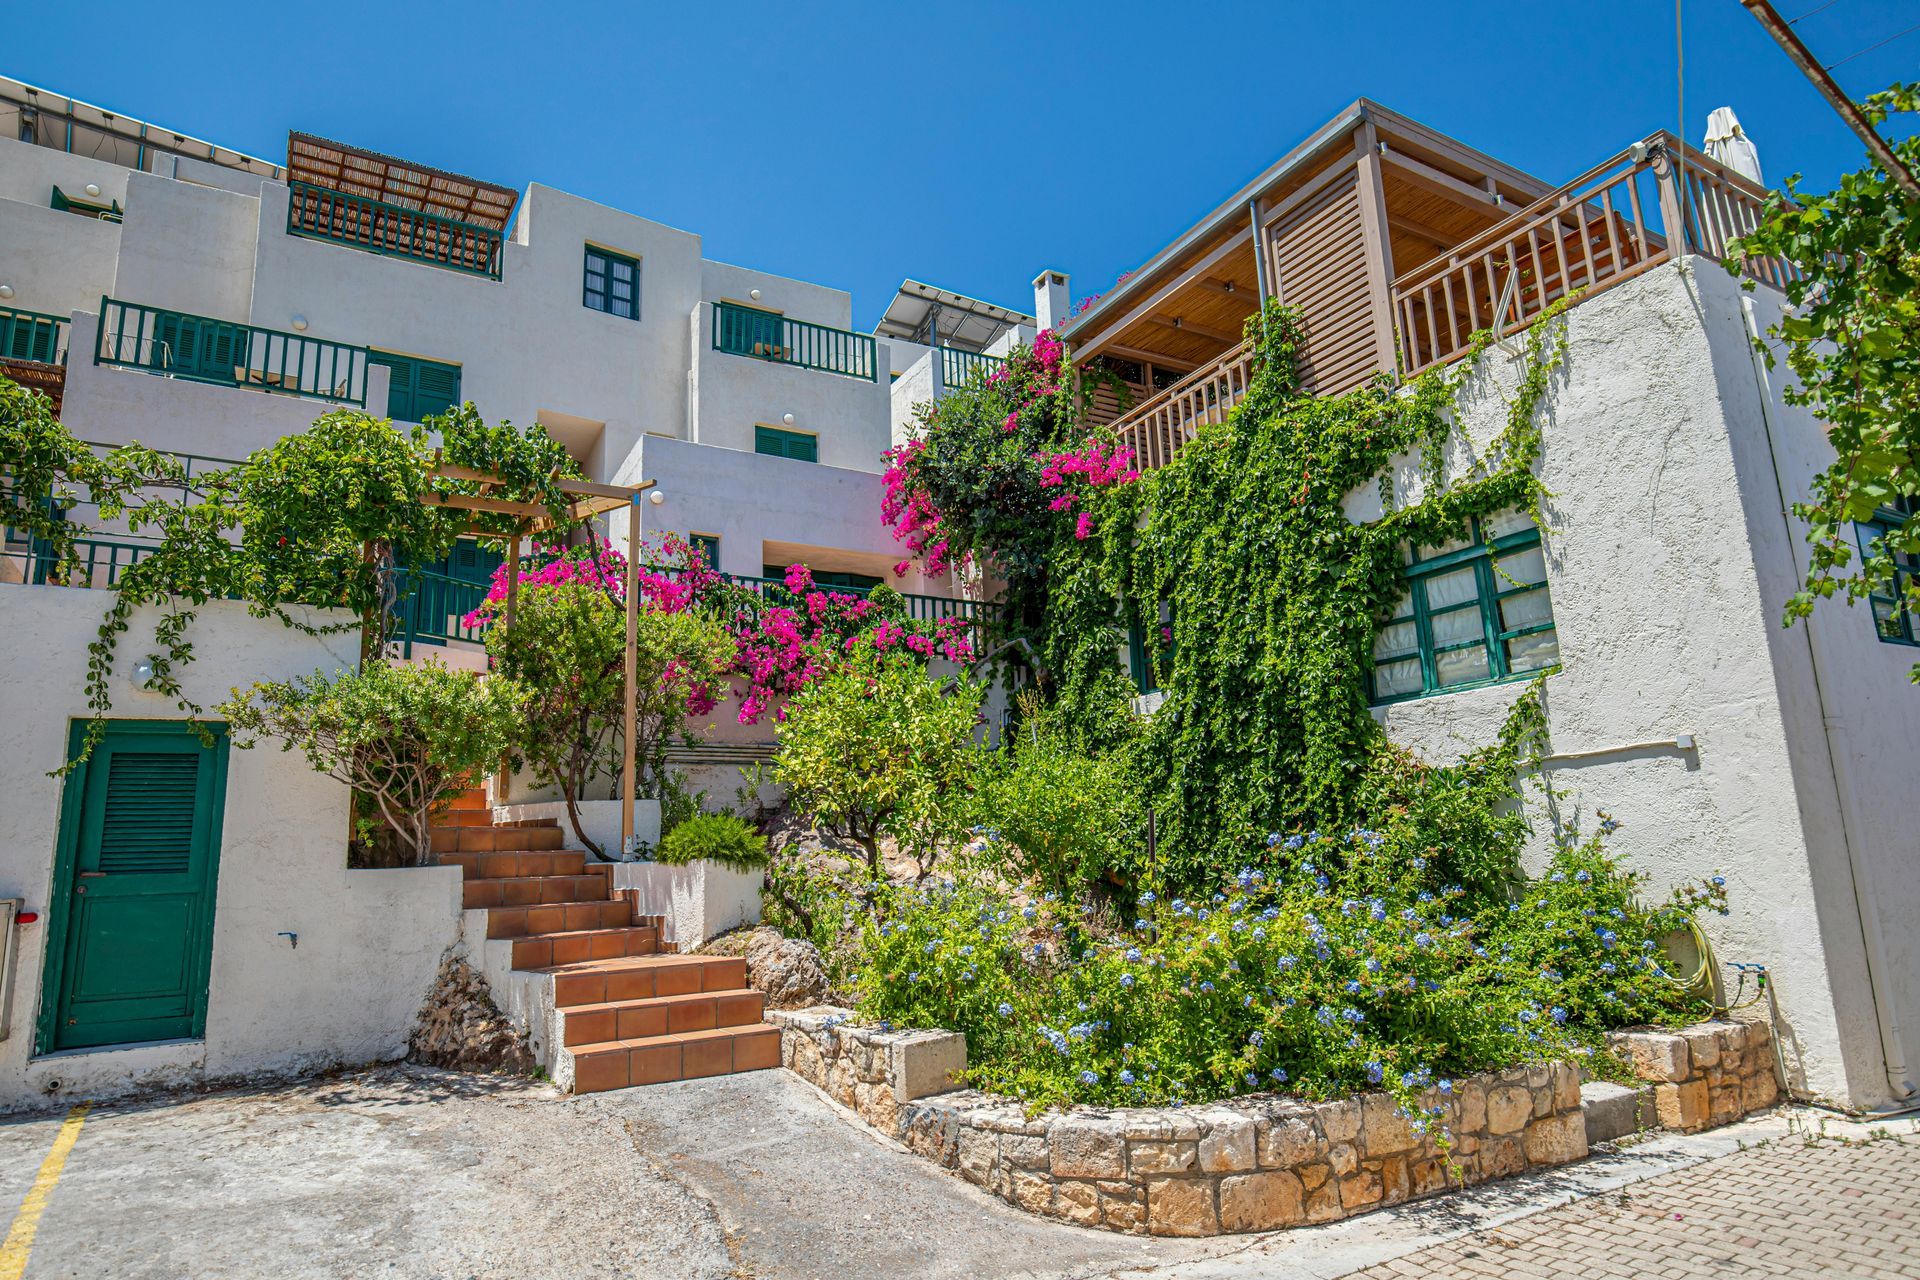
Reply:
x=1728, y=143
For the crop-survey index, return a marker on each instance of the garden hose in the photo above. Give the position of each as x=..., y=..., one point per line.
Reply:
x=1702, y=978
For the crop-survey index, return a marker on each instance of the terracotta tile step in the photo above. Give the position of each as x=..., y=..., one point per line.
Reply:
x=660, y=1016
x=644, y=977
x=512, y=864
x=473, y=838
x=616, y=1064
x=533, y=891
x=557, y=917
x=576, y=946
x=472, y=800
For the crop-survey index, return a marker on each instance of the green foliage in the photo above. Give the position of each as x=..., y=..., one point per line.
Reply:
x=566, y=648
x=409, y=736
x=316, y=520
x=876, y=748
x=1853, y=342
x=715, y=837
x=1053, y=814
x=1348, y=966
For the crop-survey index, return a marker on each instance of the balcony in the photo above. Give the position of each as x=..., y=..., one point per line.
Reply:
x=1478, y=245
x=764, y=335
x=223, y=353
x=958, y=366
x=33, y=351
x=392, y=230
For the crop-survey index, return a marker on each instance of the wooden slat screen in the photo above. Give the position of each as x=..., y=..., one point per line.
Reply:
x=1318, y=254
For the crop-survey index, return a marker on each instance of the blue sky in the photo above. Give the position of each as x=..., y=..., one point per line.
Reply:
x=966, y=144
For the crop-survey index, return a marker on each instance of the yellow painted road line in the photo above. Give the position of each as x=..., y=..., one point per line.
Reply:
x=19, y=1242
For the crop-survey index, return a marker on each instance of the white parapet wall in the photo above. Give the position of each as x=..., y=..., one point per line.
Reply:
x=696, y=902
x=344, y=988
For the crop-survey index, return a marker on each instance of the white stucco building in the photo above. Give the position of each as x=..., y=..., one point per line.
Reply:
x=207, y=303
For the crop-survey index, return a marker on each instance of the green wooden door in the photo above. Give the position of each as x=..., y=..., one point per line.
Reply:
x=418, y=388
x=131, y=929
x=197, y=347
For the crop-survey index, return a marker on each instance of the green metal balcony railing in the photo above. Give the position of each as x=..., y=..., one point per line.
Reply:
x=202, y=349
x=957, y=366
x=743, y=331
x=429, y=607
x=33, y=336
x=920, y=608
x=320, y=213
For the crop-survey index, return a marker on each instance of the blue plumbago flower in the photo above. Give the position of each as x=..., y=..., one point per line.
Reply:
x=1213, y=939
x=1146, y=899
x=1607, y=966
x=1088, y=1077
x=1285, y=962
x=928, y=948
x=1419, y=1127
x=1294, y=842
x=1719, y=882
x=1353, y=986
x=1126, y=1077
x=914, y=976
x=1528, y=1015
x=1480, y=952
x=1376, y=910
x=966, y=951
x=1607, y=937
x=1558, y=877
x=1583, y=876
x=1133, y=955
x=1256, y=1039
x=1206, y=986
x=1350, y=907
x=1608, y=824
x=1126, y=979
x=1278, y=1075
x=1178, y=904
x=1423, y=939
x=1419, y=864
x=1029, y=911
x=967, y=976
x=1259, y=934
x=1558, y=1014
x=1205, y=914
x=1273, y=839
x=1375, y=1073
x=1219, y=897
x=1425, y=896
x=1324, y=1015
x=1446, y=1086
x=1373, y=966
x=1247, y=1003
x=1052, y=897
x=1353, y=1015
x=1252, y=1079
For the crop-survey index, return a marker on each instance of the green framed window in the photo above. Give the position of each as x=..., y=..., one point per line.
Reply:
x=612, y=283
x=1893, y=618
x=708, y=544
x=1475, y=612
x=420, y=388
x=777, y=443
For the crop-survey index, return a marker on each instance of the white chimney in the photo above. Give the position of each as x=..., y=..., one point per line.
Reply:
x=1050, y=305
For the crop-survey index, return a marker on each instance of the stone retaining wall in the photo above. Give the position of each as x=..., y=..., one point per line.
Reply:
x=1248, y=1164
x=1706, y=1075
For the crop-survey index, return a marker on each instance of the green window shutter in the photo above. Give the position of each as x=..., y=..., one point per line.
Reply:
x=420, y=388
x=147, y=820
x=797, y=445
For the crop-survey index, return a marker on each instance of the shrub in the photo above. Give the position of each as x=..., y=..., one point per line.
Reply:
x=1049, y=813
x=875, y=747
x=714, y=837
x=1351, y=969
x=408, y=736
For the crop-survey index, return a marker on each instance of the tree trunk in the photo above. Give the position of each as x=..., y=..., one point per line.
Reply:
x=572, y=794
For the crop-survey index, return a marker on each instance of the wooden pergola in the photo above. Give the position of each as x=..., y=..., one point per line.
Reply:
x=529, y=519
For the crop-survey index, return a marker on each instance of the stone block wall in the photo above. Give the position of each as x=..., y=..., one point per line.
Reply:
x=1248, y=1164
x=1706, y=1075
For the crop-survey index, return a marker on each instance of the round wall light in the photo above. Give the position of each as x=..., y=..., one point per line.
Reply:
x=93, y=188
x=787, y=418
x=142, y=673
x=754, y=294
x=300, y=323
x=656, y=497
x=6, y=291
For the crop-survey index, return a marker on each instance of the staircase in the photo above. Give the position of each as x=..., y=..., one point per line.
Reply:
x=567, y=958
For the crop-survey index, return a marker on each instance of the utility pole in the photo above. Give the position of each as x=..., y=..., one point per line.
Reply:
x=1849, y=110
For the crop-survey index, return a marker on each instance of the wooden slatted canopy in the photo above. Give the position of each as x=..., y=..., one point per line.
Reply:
x=590, y=498
x=360, y=172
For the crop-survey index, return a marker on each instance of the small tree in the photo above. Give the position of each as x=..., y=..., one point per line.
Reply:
x=1053, y=813
x=409, y=736
x=566, y=650
x=876, y=748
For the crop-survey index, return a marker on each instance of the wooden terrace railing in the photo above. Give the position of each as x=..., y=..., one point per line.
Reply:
x=1612, y=223
x=1156, y=427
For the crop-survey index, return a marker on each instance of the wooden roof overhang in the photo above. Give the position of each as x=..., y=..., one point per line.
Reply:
x=529, y=518
x=360, y=172
x=1185, y=306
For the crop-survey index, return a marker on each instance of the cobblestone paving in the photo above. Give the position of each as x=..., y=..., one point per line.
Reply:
x=1793, y=1207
